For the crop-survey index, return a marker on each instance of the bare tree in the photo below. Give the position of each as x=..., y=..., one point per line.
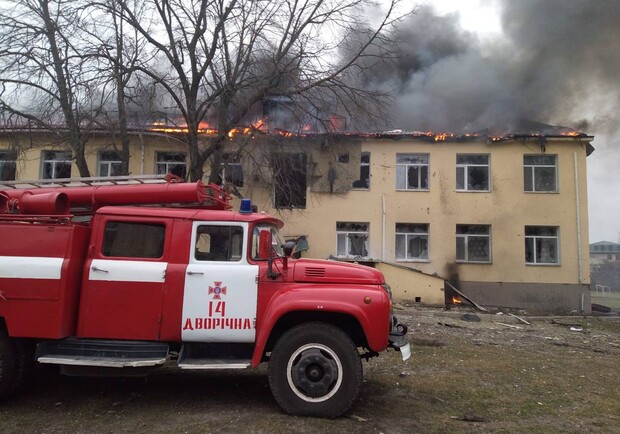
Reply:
x=218, y=59
x=44, y=77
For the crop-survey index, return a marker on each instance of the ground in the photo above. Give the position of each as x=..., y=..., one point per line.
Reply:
x=557, y=374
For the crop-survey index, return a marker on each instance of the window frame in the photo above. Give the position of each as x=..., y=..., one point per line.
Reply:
x=106, y=254
x=535, y=238
x=466, y=168
x=361, y=180
x=347, y=233
x=8, y=157
x=230, y=163
x=55, y=162
x=210, y=257
x=532, y=175
x=108, y=163
x=297, y=196
x=168, y=163
x=407, y=236
x=467, y=236
x=406, y=166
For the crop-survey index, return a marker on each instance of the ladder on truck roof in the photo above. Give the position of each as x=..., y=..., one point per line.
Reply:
x=82, y=196
x=93, y=180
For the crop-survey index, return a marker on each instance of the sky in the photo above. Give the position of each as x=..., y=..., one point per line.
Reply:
x=473, y=63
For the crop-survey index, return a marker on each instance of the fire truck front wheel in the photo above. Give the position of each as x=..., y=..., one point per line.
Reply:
x=8, y=365
x=315, y=370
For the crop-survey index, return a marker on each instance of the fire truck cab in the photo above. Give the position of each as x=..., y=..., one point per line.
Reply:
x=95, y=284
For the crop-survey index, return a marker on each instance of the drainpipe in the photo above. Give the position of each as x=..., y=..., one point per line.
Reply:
x=578, y=213
x=383, y=227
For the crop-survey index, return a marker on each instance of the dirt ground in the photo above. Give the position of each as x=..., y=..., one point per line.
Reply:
x=557, y=374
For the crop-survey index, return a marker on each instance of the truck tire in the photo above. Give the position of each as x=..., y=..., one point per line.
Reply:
x=315, y=370
x=8, y=366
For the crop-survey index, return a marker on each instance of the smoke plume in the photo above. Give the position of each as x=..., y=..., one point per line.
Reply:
x=558, y=62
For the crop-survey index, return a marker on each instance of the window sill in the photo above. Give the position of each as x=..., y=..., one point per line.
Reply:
x=413, y=189
x=542, y=264
x=415, y=261
x=474, y=262
x=541, y=192
x=473, y=191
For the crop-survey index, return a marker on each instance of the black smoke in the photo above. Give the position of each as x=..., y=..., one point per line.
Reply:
x=557, y=62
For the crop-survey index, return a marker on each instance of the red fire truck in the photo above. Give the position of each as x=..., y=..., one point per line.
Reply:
x=113, y=279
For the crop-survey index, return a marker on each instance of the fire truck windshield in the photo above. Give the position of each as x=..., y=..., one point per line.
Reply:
x=276, y=240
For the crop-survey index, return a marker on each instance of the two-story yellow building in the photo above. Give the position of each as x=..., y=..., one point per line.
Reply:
x=504, y=220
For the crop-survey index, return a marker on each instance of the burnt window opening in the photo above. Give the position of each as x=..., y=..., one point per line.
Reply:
x=289, y=180
x=8, y=165
x=352, y=240
x=363, y=183
x=412, y=171
x=171, y=162
x=473, y=243
x=133, y=240
x=343, y=158
x=472, y=172
x=542, y=245
x=110, y=163
x=540, y=173
x=56, y=165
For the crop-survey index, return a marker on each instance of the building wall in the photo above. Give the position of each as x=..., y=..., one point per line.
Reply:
x=506, y=281
x=506, y=208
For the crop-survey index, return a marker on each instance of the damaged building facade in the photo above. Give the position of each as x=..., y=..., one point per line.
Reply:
x=502, y=219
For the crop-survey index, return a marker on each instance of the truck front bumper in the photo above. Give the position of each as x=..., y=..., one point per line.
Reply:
x=398, y=338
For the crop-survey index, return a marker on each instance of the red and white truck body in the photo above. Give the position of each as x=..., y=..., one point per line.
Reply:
x=193, y=284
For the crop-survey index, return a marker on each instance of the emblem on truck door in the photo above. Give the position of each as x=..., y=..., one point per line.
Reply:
x=217, y=290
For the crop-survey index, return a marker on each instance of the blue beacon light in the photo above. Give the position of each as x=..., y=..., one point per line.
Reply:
x=246, y=206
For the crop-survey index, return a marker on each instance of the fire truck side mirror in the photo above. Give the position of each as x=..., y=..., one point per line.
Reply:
x=264, y=244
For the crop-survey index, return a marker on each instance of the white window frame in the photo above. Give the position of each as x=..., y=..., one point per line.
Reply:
x=228, y=167
x=467, y=238
x=362, y=165
x=345, y=235
x=45, y=159
x=406, y=237
x=166, y=165
x=532, y=169
x=402, y=171
x=108, y=163
x=465, y=168
x=534, y=239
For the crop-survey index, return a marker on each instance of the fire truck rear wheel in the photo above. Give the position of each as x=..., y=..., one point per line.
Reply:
x=315, y=370
x=8, y=365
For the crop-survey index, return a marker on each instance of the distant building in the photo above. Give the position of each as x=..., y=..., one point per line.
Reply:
x=604, y=252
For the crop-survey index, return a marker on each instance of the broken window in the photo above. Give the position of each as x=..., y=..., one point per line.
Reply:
x=232, y=170
x=110, y=163
x=412, y=171
x=289, y=180
x=352, y=240
x=219, y=243
x=472, y=172
x=540, y=173
x=411, y=241
x=171, y=162
x=541, y=245
x=133, y=240
x=7, y=165
x=56, y=165
x=363, y=183
x=473, y=243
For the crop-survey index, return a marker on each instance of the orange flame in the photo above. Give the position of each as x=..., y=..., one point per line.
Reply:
x=456, y=300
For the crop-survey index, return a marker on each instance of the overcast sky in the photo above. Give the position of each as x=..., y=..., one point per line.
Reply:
x=590, y=75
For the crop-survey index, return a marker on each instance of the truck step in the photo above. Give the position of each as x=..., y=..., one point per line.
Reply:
x=214, y=364
x=104, y=353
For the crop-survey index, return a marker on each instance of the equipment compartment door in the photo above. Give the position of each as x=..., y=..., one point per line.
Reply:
x=125, y=282
x=220, y=294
